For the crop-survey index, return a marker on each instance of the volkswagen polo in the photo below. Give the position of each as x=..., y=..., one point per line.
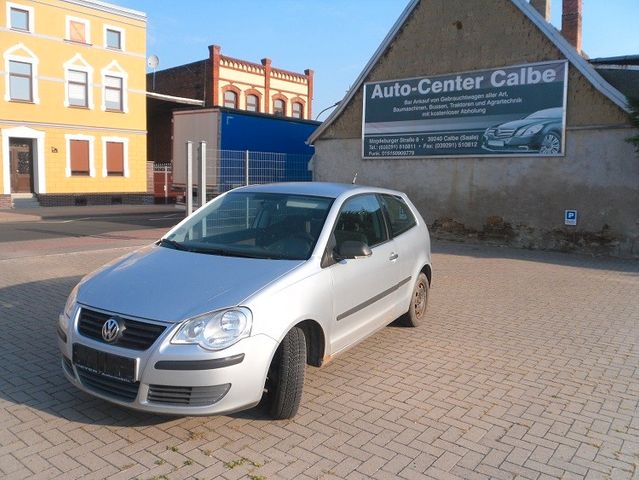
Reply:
x=227, y=309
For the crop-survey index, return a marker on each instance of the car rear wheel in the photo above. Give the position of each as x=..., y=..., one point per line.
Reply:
x=418, y=303
x=285, y=377
x=551, y=143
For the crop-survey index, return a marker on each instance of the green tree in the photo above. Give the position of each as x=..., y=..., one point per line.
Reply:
x=634, y=119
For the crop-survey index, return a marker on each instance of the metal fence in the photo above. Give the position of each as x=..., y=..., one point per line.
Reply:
x=224, y=171
x=228, y=169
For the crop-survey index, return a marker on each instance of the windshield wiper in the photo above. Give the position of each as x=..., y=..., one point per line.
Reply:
x=224, y=252
x=165, y=242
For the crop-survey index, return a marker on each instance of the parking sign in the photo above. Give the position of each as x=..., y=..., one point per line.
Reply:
x=570, y=217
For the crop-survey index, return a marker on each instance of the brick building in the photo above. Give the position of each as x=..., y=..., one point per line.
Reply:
x=222, y=81
x=437, y=112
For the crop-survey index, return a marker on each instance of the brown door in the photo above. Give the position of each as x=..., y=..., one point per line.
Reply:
x=21, y=152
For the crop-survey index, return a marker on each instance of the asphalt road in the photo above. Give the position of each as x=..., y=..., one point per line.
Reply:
x=74, y=226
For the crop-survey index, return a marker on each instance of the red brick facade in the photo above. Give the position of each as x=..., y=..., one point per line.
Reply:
x=201, y=81
x=189, y=81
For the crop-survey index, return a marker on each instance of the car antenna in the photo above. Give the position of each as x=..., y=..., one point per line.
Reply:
x=354, y=178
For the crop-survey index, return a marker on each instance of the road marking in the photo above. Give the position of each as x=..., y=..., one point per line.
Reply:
x=66, y=221
x=172, y=215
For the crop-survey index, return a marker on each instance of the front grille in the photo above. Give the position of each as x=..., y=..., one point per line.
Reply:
x=137, y=335
x=110, y=387
x=504, y=132
x=187, y=396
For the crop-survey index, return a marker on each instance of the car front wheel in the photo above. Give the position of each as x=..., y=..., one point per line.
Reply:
x=418, y=303
x=285, y=377
x=550, y=144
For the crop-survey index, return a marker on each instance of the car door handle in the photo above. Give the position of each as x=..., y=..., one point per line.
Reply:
x=393, y=256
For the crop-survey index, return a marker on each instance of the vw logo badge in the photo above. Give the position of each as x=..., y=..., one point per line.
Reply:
x=110, y=330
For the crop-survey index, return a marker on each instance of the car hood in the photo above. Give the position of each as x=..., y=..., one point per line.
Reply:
x=169, y=285
x=524, y=122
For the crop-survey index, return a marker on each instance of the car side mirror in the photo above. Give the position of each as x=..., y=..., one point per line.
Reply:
x=353, y=249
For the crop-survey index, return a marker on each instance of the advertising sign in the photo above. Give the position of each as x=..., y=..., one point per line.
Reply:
x=510, y=111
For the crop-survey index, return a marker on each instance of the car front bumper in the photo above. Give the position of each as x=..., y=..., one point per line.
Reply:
x=515, y=144
x=176, y=379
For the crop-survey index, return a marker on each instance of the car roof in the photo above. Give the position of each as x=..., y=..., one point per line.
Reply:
x=320, y=189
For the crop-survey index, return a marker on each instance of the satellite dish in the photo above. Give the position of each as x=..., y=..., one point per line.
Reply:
x=153, y=61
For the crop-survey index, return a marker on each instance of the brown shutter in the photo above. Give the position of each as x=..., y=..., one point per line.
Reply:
x=79, y=156
x=115, y=158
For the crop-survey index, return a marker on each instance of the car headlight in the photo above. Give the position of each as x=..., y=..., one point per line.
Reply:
x=63, y=320
x=526, y=132
x=70, y=305
x=215, y=330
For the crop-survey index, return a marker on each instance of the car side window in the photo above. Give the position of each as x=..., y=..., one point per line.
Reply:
x=400, y=217
x=361, y=219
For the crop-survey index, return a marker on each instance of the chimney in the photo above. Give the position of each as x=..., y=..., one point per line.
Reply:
x=214, y=58
x=571, y=22
x=543, y=7
x=309, y=93
x=266, y=63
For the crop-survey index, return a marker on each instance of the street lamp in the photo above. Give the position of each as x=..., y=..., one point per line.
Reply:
x=328, y=108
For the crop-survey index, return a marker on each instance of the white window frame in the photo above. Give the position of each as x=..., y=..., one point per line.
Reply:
x=81, y=65
x=113, y=69
x=67, y=138
x=87, y=29
x=293, y=103
x=125, y=154
x=9, y=56
x=20, y=7
x=122, y=37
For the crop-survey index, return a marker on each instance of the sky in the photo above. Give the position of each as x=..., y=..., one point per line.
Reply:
x=335, y=38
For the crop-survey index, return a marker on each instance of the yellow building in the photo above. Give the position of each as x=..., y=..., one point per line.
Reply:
x=73, y=105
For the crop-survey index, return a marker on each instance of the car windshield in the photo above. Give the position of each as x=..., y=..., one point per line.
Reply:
x=548, y=113
x=254, y=225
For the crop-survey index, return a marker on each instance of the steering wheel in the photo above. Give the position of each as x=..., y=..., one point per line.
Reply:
x=297, y=244
x=304, y=236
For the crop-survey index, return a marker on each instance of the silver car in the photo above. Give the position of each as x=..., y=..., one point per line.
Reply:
x=226, y=310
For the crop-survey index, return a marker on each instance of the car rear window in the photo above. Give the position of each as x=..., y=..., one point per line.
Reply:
x=399, y=215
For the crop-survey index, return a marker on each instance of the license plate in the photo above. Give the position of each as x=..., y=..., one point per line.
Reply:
x=495, y=143
x=103, y=363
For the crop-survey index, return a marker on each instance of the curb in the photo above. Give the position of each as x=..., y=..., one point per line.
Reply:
x=43, y=213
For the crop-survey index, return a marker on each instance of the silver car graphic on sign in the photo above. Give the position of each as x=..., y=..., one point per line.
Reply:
x=226, y=310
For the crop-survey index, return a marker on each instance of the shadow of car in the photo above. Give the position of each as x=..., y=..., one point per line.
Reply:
x=538, y=132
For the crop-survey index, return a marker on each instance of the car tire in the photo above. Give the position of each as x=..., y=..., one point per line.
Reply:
x=550, y=144
x=285, y=378
x=418, y=303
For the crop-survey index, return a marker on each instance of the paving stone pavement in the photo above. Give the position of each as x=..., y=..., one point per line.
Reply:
x=528, y=367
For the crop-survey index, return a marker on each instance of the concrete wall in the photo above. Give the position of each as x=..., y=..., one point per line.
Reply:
x=518, y=201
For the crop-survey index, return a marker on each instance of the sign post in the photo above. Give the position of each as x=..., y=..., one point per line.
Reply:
x=189, y=178
x=570, y=217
